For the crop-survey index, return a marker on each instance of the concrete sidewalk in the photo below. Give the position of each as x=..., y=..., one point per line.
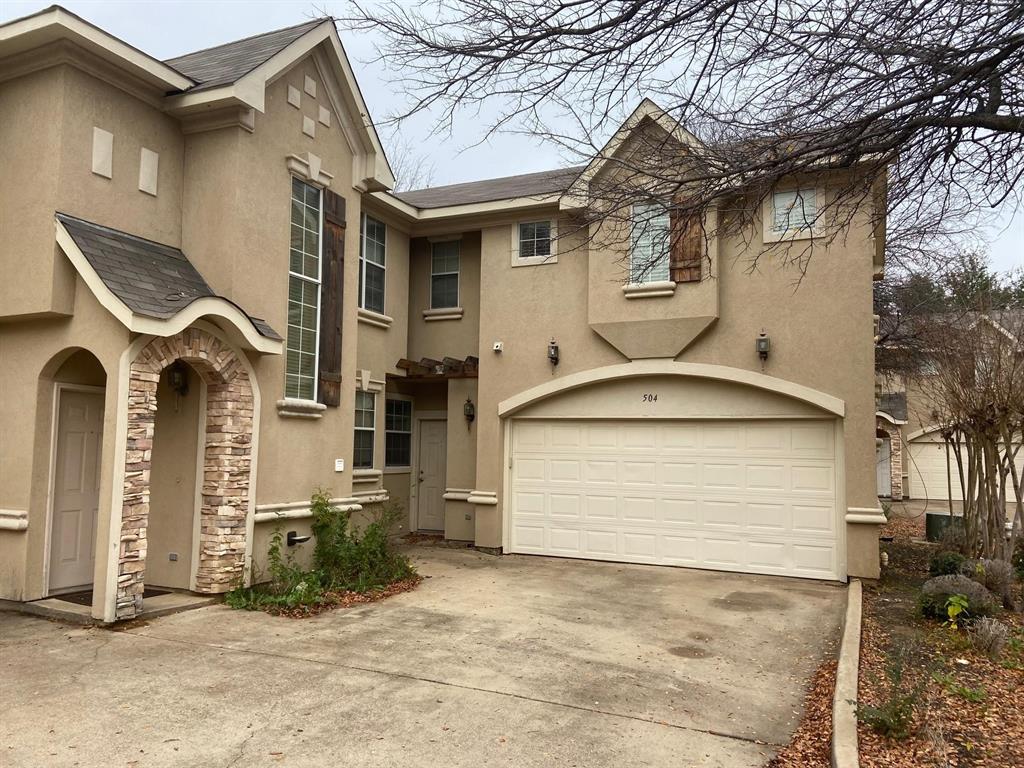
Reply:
x=513, y=661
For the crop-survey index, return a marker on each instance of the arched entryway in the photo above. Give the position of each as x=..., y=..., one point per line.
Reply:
x=226, y=464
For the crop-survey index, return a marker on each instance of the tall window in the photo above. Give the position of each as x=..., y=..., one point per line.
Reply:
x=373, y=239
x=649, y=252
x=303, y=292
x=397, y=433
x=444, y=274
x=362, y=452
x=794, y=211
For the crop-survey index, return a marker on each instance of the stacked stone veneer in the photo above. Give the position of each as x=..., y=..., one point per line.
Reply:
x=226, y=465
x=895, y=457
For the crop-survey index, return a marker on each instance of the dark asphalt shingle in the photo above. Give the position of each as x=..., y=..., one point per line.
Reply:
x=224, y=64
x=151, y=279
x=524, y=185
x=894, y=404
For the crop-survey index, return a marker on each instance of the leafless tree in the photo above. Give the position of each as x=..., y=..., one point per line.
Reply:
x=926, y=94
x=412, y=170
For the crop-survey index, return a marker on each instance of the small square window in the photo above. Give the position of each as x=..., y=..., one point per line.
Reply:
x=794, y=211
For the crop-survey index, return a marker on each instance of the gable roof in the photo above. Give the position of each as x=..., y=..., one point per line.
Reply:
x=151, y=279
x=226, y=63
x=488, y=190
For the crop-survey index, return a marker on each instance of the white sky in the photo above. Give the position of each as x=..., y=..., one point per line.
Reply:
x=166, y=28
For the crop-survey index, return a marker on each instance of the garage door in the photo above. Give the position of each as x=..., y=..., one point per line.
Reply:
x=927, y=471
x=752, y=496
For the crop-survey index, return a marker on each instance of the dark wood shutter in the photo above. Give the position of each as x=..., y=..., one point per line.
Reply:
x=687, y=246
x=332, y=284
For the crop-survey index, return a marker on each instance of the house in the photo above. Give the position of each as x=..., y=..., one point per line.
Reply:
x=213, y=304
x=913, y=459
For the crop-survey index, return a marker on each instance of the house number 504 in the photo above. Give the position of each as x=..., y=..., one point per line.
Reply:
x=650, y=397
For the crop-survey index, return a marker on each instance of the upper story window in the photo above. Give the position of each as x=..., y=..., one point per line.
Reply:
x=649, y=251
x=362, y=449
x=444, y=274
x=302, y=343
x=372, y=247
x=533, y=242
x=794, y=211
x=397, y=433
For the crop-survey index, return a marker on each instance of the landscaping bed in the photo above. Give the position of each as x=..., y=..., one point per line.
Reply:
x=958, y=706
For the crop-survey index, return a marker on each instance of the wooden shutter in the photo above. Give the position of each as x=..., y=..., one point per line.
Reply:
x=687, y=246
x=332, y=284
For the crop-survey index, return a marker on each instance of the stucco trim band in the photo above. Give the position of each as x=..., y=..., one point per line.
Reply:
x=662, y=367
x=376, y=319
x=447, y=313
x=865, y=516
x=299, y=510
x=457, y=494
x=13, y=519
x=651, y=290
x=486, y=498
x=294, y=408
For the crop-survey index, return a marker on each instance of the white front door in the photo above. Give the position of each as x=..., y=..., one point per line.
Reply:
x=76, y=481
x=753, y=496
x=432, y=459
x=883, y=467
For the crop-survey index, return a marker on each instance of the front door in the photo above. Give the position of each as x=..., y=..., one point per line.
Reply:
x=76, y=481
x=432, y=454
x=883, y=467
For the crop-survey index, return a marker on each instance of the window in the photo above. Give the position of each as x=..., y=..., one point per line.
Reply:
x=362, y=450
x=397, y=433
x=794, y=211
x=444, y=274
x=649, y=254
x=303, y=293
x=534, y=239
x=372, y=246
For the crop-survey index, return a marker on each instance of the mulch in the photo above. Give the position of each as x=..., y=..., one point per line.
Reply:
x=345, y=599
x=949, y=729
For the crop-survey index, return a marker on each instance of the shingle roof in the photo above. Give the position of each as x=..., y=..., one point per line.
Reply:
x=224, y=64
x=151, y=279
x=894, y=404
x=524, y=185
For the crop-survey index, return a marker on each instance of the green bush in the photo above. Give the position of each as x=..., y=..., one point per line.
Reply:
x=288, y=586
x=945, y=562
x=1018, y=558
x=936, y=594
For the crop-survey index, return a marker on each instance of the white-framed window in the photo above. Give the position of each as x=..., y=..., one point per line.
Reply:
x=397, y=433
x=372, y=255
x=534, y=242
x=302, y=343
x=649, y=244
x=362, y=449
x=793, y=213
x=444, y=273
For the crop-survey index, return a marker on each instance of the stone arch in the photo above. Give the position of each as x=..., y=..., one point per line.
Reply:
x=227, y=463
x=886, y=429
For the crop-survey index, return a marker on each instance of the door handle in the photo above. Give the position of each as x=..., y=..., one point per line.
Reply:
x=421, y=477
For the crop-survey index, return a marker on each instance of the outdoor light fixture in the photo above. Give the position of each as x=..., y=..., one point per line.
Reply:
x=553, y=352
x=763, y=346
x=469, y=411
x=177, y=378
x=293, y=538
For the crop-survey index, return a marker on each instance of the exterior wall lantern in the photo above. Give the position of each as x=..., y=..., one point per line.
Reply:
x=177, y=378
x=763, y=344
x=469, y=411
x=553, y=352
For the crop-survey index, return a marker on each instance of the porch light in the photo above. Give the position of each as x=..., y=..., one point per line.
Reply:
x=469, y=411
x=553, y=352
x=177, y=379
x=763, y=344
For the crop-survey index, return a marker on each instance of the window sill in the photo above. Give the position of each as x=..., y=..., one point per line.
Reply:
x=651, y=290
x=293, y=408
x=533, y=261
x=445, y=313
x=397, y=470
x=375, y=319
x=771, y=236
x=360, y=476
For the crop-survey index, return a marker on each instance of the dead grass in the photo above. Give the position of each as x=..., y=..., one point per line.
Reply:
x=333, y=600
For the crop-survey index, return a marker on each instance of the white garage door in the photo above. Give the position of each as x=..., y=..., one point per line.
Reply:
x=753, y=496
x=927, y=471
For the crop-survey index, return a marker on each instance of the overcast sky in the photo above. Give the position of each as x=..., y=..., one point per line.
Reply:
x=166, y=28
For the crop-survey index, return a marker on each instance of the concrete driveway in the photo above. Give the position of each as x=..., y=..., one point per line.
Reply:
x=513, y=661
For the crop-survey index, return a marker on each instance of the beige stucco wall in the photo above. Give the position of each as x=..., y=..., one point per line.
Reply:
x=460, y=465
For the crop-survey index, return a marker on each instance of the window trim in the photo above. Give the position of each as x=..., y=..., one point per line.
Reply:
x=399, y=468
x=361, y=303
x=771, y=235
x=531, y=261
x=372, y=430
x=458, y=275
x=650, y=278
x=319, y=298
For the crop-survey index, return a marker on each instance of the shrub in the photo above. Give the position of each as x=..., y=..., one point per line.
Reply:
x=945, y=562
x=936, y=594
x=989, y=636
x=289, y=586
x=1018, y=558
x=995, y=575
x=893, y=717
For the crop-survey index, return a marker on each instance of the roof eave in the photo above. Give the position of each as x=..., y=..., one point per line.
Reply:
x=413, y=213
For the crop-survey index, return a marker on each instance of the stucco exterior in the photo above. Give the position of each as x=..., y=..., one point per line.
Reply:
x=222, y=196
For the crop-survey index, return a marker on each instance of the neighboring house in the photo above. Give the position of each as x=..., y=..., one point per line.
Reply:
x=213, y=305
x=912, y=459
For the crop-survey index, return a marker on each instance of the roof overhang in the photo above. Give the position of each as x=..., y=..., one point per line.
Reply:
x=55, y=24
x=228, y=315
x=411, y=213
x=371, y=169
x=891, y=419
